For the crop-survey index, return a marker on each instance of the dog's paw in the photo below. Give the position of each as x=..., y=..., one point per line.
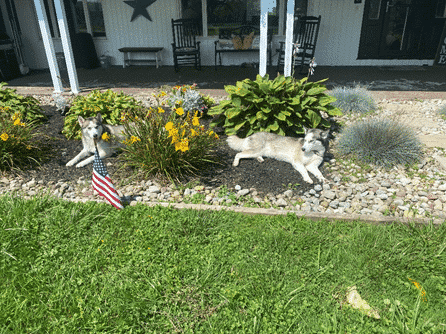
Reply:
x=235, y=163
x=323, y=180
x=80, y=164
x=70, y=163
x=310, y=181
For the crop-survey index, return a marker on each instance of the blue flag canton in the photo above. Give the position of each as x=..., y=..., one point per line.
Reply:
x=98, y=165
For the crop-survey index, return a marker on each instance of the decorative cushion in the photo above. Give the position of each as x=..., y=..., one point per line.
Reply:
x=186, y=49
x=256, y=42
x=247, y=41
x=237, y=41
x=225, y=44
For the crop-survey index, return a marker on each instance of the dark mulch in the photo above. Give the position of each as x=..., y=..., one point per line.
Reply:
x=271, y=176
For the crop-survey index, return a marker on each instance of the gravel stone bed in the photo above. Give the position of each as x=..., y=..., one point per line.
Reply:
x=351, y=188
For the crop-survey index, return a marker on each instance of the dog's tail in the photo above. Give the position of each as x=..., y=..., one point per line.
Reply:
x=236, y=143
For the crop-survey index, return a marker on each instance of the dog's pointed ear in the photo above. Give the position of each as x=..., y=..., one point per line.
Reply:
x=99, y=117
x=81, y=120
x=324, y=134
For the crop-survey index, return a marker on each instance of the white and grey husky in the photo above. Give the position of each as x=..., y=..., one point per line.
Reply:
x=92, y=130
x=305, y=154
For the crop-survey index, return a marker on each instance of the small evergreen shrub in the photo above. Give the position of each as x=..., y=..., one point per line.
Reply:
x=442, y=111
x=189, y=99
x=280, y=106
x=111, y=105
x=380, y=142
x=19, y=145
x=169, y=144
x=26, y=108
x=353, y=99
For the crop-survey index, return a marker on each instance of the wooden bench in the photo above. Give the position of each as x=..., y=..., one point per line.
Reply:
x=225, y=36
x=127, y=51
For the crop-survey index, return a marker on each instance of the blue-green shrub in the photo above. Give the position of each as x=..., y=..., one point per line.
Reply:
x=380, y=142
x=353, y=99
x=442, y=111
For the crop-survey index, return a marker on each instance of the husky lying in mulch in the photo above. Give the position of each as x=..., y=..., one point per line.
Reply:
x=305, y=154
x=92, y=130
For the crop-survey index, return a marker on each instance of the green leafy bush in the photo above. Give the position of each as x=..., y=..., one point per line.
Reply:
x=353, y=99
x=28, y=108
x=18, y=144
x=111, y=105
x=380, y=142
x=169, y=144
x=279, y=106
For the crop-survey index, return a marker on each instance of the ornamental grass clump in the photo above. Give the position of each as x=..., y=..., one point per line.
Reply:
x=353, y=99
x=283, y=105
x=380, y=142
x=19, y=144
x=170, y=144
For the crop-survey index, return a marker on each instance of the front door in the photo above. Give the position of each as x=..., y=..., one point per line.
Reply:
x=400, y=29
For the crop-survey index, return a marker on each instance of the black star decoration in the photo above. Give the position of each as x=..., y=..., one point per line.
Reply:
x=140, y=8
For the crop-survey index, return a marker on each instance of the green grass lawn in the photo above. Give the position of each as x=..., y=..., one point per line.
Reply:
x=88, y=268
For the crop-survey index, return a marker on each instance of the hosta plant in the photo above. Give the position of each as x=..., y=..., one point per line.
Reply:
x=110, y=104
x=381, y=142
x=27, y=108
x=353, y=99
x=283, y=105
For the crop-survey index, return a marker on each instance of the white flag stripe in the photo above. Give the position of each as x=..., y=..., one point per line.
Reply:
x=104, y=180
x=103, y=190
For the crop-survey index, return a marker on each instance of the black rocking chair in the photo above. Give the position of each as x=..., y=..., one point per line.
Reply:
x=186, y=49
x=305, y=35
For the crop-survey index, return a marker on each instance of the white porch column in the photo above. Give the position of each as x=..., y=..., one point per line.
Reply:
x=204, y=15
x=263, y=36
x=289, y=38
x=49, y=47
x=66, y=44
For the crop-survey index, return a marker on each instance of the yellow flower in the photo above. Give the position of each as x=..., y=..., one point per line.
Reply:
x=168, y=126
x=105, y=136
x=17, y=121
x=183, y=145
x=4, y=136
x=160, y=110
x=216, y=136
x=134, y=139
x=211, y=133
x=195, y=121
x=420, y=288
x=15, y=116
x=179, y=111
x=163, y=93
x=28, y=147
x=193, y=133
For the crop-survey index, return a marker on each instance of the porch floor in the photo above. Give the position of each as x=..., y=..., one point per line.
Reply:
x=392, y=81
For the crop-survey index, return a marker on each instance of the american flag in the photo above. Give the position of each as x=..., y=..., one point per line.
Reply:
x=102, y=183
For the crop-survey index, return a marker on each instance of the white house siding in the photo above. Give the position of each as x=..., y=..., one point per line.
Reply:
x=32, y=44
x=139, y=33
x=339, y=35
x=337, y=44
